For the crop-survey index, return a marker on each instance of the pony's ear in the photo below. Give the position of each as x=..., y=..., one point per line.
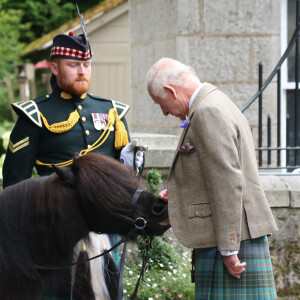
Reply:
x=66, y=174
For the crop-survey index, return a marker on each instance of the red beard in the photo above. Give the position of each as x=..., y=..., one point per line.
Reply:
x=78, y=87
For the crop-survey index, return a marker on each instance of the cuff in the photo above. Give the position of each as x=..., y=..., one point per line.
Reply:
x=227, y=253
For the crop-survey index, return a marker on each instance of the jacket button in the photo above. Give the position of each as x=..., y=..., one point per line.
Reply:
x=87, y=133
x=83, y=119
x=79, y=107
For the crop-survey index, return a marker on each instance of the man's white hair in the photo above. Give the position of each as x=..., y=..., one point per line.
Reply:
x=169, y=71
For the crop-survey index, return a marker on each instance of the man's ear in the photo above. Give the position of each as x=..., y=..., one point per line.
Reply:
x=169, y=88
x=54, y=68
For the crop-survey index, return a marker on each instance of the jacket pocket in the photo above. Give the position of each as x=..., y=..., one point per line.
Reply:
x=199, y=210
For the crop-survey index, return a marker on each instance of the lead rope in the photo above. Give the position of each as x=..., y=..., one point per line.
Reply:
x=148, y=242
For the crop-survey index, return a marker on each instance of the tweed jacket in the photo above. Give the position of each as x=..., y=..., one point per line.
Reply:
x=215, y=195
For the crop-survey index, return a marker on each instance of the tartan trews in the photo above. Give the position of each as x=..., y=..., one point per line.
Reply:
x=256, y=283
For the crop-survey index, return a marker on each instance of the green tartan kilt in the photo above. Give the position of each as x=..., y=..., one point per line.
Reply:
x=212, y=280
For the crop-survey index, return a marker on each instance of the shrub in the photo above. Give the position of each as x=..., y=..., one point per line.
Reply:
x=154, y=181
x=5, y=108
x=168, y=272
x=164, y=279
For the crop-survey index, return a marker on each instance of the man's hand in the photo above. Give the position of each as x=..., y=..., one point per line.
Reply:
x=163, y=195
x=127, y=154
x=133, y=157
x=233, y=265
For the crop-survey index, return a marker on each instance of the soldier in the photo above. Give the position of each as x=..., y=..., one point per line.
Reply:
x=52, y=128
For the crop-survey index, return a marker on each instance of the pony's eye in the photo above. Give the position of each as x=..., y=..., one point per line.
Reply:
x=159, y=208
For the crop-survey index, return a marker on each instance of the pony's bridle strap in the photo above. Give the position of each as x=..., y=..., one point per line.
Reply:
x=135, y=198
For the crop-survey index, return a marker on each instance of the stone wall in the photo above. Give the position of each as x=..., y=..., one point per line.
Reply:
x=223, y=40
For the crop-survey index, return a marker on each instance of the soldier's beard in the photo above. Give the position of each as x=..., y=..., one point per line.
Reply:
x=78, y=87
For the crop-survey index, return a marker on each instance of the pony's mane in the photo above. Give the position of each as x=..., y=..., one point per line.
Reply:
x=104, y=179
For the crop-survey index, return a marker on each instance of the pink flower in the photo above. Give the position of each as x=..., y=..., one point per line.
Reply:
x=180, y=295
x=164, y=288
x=156, y=296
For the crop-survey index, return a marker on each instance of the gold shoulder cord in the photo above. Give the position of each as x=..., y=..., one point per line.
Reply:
x=121, y=138
x=62, y=126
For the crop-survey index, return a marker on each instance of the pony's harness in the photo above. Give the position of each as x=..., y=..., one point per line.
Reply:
x=139, y=225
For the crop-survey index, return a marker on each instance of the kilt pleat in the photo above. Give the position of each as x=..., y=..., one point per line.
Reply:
x=212, y=280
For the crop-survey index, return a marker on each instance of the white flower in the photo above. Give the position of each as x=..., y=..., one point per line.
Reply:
x=154, y=285
x=174, y=271
x=148, y=279
x=124, y=291
x=150, y=299
x=128, y=283
x=170, y=273
x=161, y=265
x=171, y=267
x=174, y=278
x=184, y=275
x=130, y=272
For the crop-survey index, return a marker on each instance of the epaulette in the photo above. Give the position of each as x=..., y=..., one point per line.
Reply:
x=121, y=108
x=98, y=98
x=30, y=109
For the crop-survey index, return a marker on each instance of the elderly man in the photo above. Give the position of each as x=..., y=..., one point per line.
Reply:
x=216, y=202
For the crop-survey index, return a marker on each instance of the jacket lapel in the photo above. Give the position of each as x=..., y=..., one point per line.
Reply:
x=206, y=89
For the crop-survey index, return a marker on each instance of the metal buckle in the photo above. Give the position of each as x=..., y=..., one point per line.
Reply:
x=140, y=220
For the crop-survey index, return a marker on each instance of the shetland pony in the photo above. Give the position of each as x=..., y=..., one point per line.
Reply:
x=43, y=219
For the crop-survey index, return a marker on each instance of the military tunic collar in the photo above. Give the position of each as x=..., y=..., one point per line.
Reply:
x=67, y=96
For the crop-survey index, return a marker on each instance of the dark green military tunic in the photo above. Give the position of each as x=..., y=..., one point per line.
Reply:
x=31, y=140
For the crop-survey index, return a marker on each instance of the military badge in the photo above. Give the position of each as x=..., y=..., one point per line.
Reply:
x=99, y=120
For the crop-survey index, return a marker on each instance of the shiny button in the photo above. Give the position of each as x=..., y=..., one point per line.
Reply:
x=87, y=133
x=83, y=119
x=79, y=107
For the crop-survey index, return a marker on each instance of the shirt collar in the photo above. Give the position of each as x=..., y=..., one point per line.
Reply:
x=196, y=93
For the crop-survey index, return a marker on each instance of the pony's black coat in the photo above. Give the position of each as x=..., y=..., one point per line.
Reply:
x=42, y=219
